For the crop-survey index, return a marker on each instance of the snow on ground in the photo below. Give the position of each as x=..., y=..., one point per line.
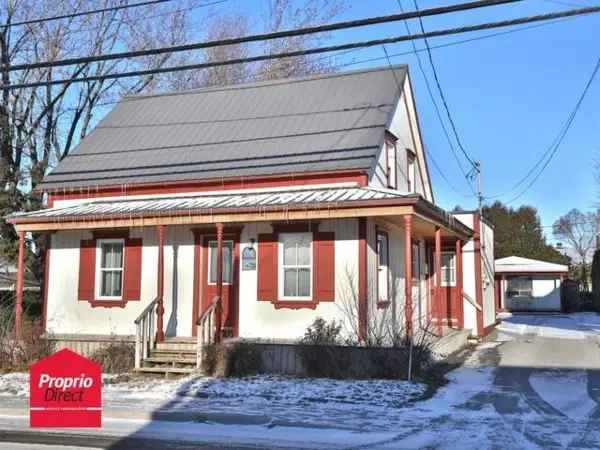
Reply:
x=575, y=326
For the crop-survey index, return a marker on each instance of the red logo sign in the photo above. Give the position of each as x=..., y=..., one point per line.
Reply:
x=65, y=390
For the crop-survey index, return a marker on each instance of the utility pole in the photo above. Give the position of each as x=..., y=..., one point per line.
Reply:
x=477, y=174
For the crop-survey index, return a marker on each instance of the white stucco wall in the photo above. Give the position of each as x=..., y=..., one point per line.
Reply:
x=545, y=295
x=258, y=319
x=487, y=268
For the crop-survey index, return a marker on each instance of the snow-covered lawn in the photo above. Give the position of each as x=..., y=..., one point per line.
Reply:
x=364, y=404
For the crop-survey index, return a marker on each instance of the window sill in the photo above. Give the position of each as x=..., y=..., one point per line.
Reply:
x=383, y=304
x=293, y=304
x=99, y=303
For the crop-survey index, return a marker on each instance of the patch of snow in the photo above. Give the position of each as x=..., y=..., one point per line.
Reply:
x=565, y=390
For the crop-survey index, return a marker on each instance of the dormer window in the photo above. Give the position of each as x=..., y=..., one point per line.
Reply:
x=392, y=178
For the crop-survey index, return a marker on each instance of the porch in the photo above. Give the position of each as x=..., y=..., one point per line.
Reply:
x=212, y=232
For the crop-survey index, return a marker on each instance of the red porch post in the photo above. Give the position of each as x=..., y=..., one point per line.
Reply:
x=437, y=298
x=408, y=306
x=219, y=309
x=459, y=283
x=19, y=286
x=160, y=278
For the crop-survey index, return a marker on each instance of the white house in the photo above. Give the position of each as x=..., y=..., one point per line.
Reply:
x=260, y=207
x=524, y=284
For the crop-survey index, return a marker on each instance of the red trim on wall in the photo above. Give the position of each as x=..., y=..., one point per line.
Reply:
x=179, y=187
x=478, y=276
x=132, y=275
x=362, y=279
x=230, y=309
x=323, y=266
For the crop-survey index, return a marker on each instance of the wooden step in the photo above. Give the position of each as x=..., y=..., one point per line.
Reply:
x=177, y=346
x=173, y=354
x=166, y=370
x=171, y=361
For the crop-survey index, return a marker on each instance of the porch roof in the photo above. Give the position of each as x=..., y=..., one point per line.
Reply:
x=241, y=206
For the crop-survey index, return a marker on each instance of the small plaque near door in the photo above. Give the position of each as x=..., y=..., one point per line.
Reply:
x=249, y=259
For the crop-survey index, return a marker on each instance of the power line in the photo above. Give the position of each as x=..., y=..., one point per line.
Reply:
x=436, y=108
x=562, y=134
x=83, y=13
x=353, y=45
x=265, y=36
x=442, y=95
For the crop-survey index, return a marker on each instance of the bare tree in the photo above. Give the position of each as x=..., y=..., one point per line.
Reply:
x=578, y=230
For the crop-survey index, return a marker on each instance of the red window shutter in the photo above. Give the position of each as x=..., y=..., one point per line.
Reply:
x=87, y=269
x=324, y=257
x=132, y=278
x=267, y=267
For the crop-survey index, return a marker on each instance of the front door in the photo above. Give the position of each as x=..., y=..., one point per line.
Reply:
x=230, y=300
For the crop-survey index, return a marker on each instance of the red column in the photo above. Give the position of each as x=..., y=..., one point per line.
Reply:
x=408, y=306
x=219, y=309
x=459, y=283
x=19, y=285
x=160, y=280
x=437, y=298
x=362, y=280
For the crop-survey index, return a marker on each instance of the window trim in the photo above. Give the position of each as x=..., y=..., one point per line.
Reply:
x=453, y=266
x=210, y=250
x=99, y=269
x=383, y=303
x=391, y=164
x=411, y=181
x=281, y=268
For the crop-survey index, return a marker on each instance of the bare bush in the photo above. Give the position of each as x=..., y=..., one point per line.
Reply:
x=116, y=357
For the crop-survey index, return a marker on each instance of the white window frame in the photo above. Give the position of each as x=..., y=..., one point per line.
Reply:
x=391, y=165
x=411, y=167
x=210, y=250
x=99, y=269
x=449, y=283
x=281, y=267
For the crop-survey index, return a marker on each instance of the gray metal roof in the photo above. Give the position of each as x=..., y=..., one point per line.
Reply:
x=207, y=203
x=319, y=123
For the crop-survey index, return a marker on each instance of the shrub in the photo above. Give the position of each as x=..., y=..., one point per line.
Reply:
x=322, y=333
x=116, y=357
x=238, y=359
x=19, y=355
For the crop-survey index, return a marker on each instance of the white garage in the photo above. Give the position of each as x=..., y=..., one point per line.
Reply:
x=524, y=284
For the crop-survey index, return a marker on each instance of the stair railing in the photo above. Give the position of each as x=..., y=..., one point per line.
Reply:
x=145, y=333
x=206, y=331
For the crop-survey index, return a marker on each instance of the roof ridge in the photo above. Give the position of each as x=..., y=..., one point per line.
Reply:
x=266, y=83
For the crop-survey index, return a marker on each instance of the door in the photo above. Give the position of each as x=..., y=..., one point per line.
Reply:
x=230, y=298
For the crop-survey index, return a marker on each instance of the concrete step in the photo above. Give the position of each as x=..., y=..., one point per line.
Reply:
x=173, y=362
x=167, y=370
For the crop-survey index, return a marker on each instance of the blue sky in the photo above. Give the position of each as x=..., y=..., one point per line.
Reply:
x=509, y=96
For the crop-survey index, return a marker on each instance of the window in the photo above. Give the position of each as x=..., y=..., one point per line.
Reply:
x=110, y=268
x=448, y=269
x=519, y=287
x=227, y=260
x=410, y=167
x=391, y=165
x=383, y=266
x=295, y=266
